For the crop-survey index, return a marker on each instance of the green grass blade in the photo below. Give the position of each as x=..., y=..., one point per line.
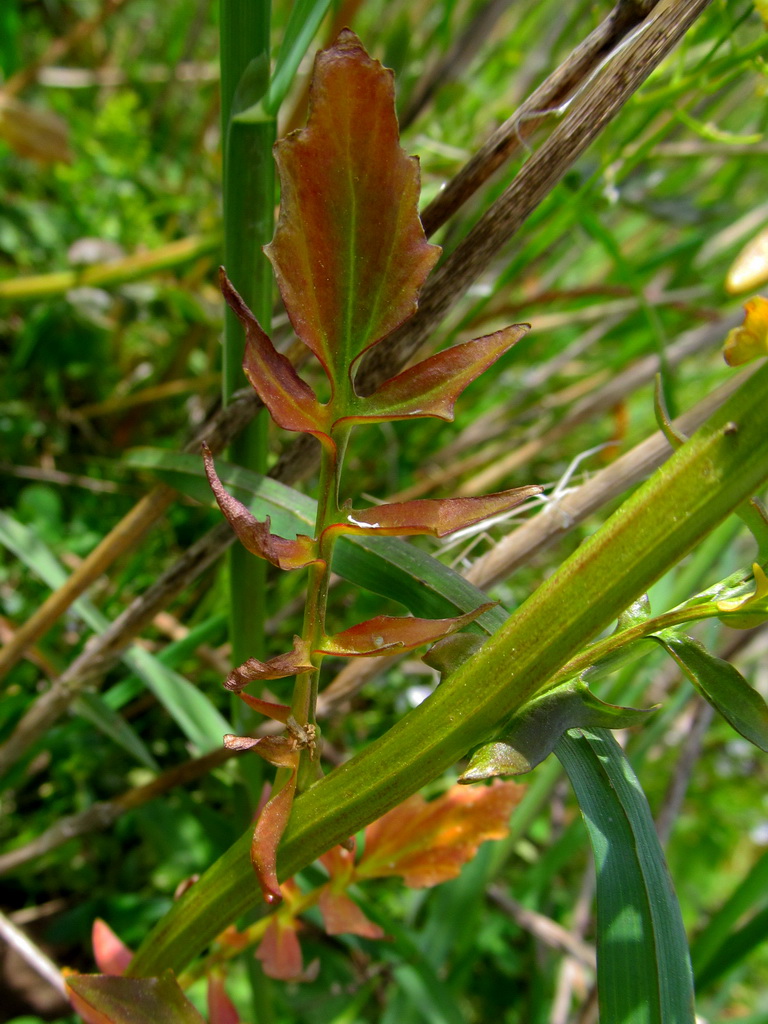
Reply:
x=735, y=949
x=303, y=22
x=643, y=967
x=750, y=893
x=192, y=711
x=94, y=709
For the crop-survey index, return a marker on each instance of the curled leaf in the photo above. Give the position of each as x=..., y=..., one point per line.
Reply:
x=291, y=402
x=384, y=633
x=254, y=535
x=427, y=843
x=349, y=251
x=435, y=516
x=749, y=341
x=279, y=667
x=452, y=651
x=268, y=833
x=534, y=731
x=432, y=387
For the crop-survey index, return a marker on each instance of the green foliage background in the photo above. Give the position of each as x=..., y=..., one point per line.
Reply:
x=627, y=253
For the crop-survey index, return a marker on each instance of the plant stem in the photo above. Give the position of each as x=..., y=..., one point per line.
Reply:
x=249, y=192
x=306, y=687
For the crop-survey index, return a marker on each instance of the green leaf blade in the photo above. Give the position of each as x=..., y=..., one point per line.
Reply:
x=722, y=685
x=644, y=973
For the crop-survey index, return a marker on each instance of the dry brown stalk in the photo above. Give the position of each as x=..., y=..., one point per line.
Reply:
x=563, y=84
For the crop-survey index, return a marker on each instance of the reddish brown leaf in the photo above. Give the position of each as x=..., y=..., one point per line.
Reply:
x=349, y=252
x=279, y=667
x=436, y=516
x=339, y=862
x=431, y=388
x=341, y=915
x=254, y=535
x=221, y=1009
x=279, y=949
x=268, y=833
x=291, y=402
x=278, y=750
x=278, y=712
x=111, y=954
x=103, y=999
x=378, y=636
x=427, y=843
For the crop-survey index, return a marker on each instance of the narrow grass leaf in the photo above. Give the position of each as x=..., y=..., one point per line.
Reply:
x=303, y=22
x=92, y=707
x=644, y=973
x=750, y=893
x=188, y=706
x=735, y=949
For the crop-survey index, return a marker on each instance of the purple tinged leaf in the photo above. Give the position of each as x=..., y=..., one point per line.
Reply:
x=431, y=388
x=254, y=535
x=349, y=252
x=291, y=402
x=435, y=516
x=385, y=633
x=279, y=667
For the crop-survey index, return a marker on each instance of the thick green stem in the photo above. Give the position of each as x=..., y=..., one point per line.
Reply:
x=725, y=462
x=249, y=199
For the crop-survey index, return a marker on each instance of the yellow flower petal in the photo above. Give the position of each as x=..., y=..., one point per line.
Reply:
x=749, y=341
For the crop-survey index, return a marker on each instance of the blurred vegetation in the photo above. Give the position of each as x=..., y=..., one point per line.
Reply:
x=628, y=252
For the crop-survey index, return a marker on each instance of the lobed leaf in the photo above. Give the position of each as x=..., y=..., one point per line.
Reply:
x=432, y=387
x=104, y=999
x=255, y=535
x=722, y=685
x=435, y=516
x=384, y=633
x=349, y=252
x=427, y=843
x=291, y=402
